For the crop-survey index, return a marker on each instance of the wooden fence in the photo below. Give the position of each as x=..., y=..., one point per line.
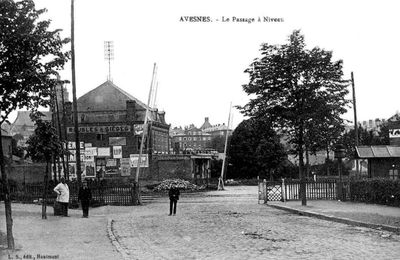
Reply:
x=123, y=195
x=286, y=190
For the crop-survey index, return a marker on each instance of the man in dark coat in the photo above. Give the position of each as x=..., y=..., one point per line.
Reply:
x=85, y=195
x=173, y=198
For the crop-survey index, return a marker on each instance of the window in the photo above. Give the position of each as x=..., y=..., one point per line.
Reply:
x=394, y=174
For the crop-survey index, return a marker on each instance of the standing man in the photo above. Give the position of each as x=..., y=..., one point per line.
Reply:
x=85, y=195
x=62, y=191
x=173, y=198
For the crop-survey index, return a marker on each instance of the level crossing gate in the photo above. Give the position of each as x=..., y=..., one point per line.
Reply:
x=285, y=190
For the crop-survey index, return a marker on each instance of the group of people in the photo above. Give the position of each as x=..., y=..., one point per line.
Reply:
x=85, y=195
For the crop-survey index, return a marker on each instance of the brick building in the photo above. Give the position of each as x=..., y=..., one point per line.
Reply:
x=215, y=130
x=197, y=139
x=190, y=139
x=110, y=130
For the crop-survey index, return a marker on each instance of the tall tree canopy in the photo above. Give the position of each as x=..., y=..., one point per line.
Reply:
x=255, y=150
x=297, y=89
x=30, y=55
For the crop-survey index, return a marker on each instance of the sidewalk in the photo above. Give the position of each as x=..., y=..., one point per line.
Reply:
x=358, y=214
x=58, y=237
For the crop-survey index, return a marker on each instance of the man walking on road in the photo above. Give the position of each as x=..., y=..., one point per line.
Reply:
x=173, y=198
x=84, y=196
x=62, y=191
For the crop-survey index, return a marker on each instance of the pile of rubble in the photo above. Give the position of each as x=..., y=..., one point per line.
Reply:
x=179, y=183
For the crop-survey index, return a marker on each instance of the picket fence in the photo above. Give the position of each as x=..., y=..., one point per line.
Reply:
x=123, y=195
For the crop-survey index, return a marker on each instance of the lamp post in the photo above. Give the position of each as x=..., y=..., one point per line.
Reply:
x=340, y=153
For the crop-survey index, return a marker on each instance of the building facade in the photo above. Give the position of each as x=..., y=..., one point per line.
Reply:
x=193, y=139
x=190, y=140
x=111, y=124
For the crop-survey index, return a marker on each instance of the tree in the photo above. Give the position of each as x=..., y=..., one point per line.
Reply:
x=296, y=89
x=255, y=150
x=30, y=55
x=44, y=145
x=365, y=137
x=218, y=143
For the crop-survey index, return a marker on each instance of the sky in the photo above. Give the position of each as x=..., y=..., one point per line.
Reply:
x=201, y=64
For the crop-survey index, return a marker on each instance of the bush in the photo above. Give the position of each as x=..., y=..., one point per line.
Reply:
x=179, y=183
x=379, y=191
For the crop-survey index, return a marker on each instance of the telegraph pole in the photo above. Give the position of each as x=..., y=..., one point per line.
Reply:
x=74, y=101
x=355, y=121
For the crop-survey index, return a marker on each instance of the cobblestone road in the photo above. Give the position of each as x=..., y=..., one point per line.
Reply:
x=232, y=225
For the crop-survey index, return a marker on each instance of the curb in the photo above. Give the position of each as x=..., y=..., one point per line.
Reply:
x=336, y=219
x=114, y=240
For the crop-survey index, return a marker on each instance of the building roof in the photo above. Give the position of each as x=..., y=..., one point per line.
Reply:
x=24, y=119
x=108, y=96
x=395, y=117
x=206, y=124
x=378, y=151
x=116, y=98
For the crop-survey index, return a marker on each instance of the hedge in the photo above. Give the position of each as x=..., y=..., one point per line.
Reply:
x=378, y=191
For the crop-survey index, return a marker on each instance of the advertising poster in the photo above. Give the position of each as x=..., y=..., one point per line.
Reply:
x=103, y=151
x=91, y=151
x=134, y=158
x=138, y=129
x=117, y=151
x=125, y=167
x=89, y=158
x=111, y=166
x=72, y=170
x=89, y=168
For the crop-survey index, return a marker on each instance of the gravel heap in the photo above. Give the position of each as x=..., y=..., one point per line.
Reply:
x=180, y=184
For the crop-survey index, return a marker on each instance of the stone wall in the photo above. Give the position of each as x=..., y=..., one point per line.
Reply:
x=161, y=167
x=28, y=173
x=170, y=166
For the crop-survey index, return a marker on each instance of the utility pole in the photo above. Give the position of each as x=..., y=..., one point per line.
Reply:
x=74, y=101
x=65, y=140
x=355, y=121
x=59, y=131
